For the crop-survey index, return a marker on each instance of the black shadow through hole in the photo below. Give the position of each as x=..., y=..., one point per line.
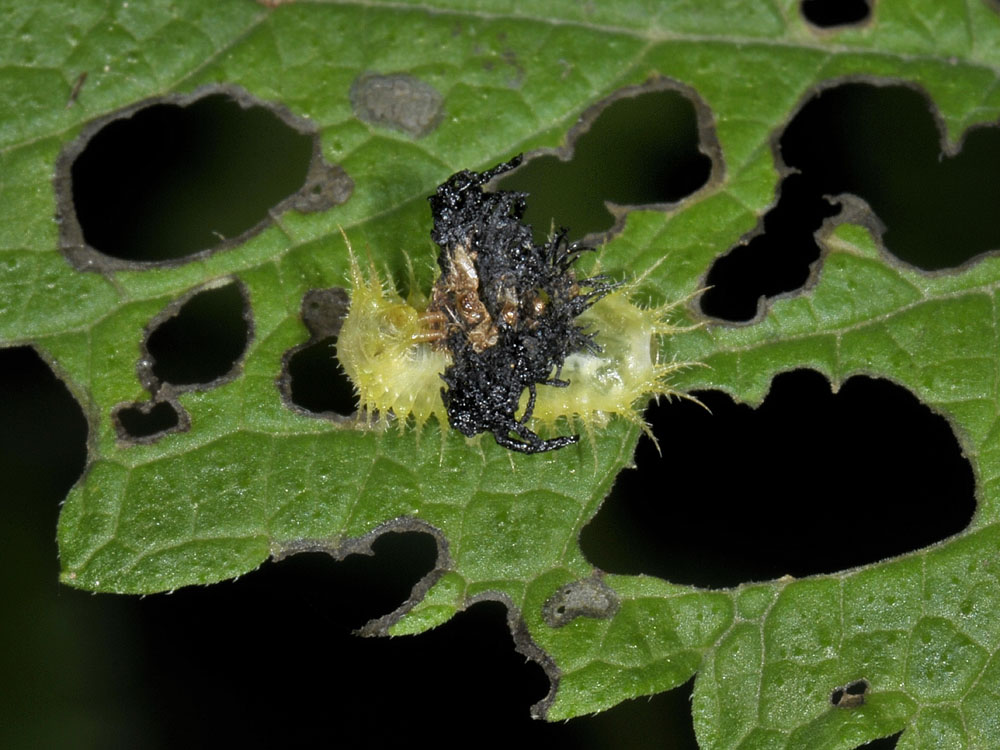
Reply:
x=808, y=483
x=204, y=340
x=147, y=420
x=775, y=261
x=297, y=616
x=883, y=145
x=640, y=150
x=173, y=180
x=367, y=586
x=43, y=432
x=832, y=13
x=885, y=743
x=316, y=381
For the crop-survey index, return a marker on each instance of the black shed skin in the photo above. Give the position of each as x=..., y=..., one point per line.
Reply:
x=483, y=388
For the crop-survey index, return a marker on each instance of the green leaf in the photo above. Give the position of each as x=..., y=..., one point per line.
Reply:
x=252, y=478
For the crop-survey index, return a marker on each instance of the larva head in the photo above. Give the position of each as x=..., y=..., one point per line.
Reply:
x=383, y=348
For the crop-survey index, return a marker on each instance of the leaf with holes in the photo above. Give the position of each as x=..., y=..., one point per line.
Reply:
x=202, y=473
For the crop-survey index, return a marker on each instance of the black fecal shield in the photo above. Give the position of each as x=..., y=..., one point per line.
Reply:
x=532, y=299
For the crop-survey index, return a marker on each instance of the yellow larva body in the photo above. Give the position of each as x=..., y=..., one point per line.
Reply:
x=384, y=349
x=620, y=379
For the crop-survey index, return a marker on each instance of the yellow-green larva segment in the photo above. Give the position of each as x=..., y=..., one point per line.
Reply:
x=620, y=379
x=381, y=349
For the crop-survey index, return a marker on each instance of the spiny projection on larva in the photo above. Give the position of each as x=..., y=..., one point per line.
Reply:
x=509, y=340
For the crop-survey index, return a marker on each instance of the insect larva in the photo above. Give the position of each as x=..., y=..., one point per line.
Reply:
x=509, y=341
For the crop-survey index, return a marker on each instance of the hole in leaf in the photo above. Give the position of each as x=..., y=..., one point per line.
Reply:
x=172, y=180
x=808, y=483
x=851, y=695
x=883, y=743
x=149, y=421
x=884, y=145
x=368, y=585
x=311, y=376
x=200, y=341
x=43, y=431
x=775, y=261
x=172, y=177
x=831, y=13
x=644, y=146
x=316, y=381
